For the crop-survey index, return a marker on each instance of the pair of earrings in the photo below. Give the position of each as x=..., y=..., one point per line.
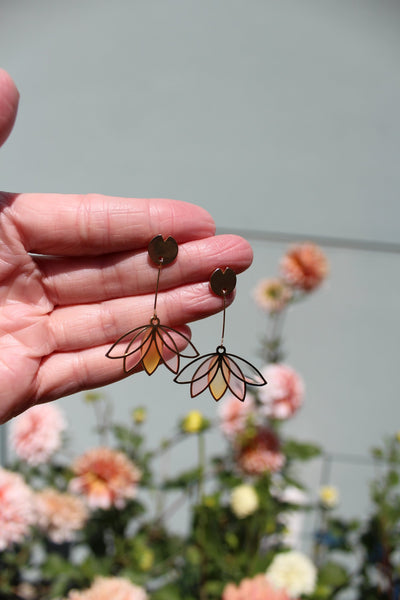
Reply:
x=154, y=343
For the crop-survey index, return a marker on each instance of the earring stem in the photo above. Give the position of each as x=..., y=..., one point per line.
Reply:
x=156, y=293
x=223, y=318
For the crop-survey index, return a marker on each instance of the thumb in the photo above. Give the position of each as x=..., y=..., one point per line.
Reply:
x=9, y=98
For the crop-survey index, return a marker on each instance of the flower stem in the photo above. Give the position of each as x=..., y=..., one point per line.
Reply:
x=202, y=464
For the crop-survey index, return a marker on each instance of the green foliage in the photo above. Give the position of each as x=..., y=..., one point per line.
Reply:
x=294, y=450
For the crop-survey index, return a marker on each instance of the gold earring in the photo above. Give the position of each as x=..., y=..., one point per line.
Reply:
x=220, y=371
x=153, y=343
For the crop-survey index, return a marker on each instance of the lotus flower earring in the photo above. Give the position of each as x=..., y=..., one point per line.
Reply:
x=220, y=371
x=153, y=343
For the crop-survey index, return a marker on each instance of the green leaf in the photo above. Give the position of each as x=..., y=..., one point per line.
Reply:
x=185, y=479
x=333, y=574
x=300, y=450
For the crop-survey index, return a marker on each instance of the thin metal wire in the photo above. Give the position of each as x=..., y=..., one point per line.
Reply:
x=223, y=319
x=156, y=293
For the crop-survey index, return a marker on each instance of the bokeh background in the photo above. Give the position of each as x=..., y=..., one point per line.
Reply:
x=281, y=119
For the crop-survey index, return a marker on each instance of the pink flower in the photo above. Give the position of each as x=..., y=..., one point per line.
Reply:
x=260, y=453
x=304, y=267
x=234, y=414
x=36, y=433
x=283, y=395
x=257, y=588
x=105, y=477
x=16, y=512
x=272, y=295
x=60, y=515
x=107, y=588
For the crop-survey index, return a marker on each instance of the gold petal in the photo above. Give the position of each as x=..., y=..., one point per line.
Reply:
x=150, y=356
x=218, y=384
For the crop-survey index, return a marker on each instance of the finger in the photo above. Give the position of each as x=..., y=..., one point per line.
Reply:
x=68, y=372
x=93, y=279
x=72, y=225
x=9, y=98
x=87, y=325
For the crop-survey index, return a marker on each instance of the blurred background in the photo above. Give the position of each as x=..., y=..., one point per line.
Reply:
x=282, y=120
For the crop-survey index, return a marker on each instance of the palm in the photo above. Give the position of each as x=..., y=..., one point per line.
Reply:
x=24, y=309
x=75, y=276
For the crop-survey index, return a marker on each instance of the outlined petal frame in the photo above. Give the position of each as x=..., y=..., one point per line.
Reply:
x=220, y=371
x=150, y=345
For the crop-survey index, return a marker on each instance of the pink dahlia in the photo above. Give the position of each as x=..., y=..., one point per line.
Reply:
x=260, y=453
x=16, y=512
x=106, y=588
x=283, y=395
x=257, y=588
x=60, y=515
x=105, y=477
x=272, y=295
x=234, y=414
x=36, y=433
x=304, y=267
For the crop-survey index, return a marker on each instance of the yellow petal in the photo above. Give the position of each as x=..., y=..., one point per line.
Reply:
x=150, y=356
x=218, y=384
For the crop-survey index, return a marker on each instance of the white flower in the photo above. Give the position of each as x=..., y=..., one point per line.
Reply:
x=244, y=500
x=328, y=496
x=294, y=572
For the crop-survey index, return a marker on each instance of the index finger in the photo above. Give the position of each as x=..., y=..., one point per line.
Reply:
x=68, y=225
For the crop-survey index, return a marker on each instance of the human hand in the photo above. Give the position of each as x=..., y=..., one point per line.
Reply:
x=75, y=276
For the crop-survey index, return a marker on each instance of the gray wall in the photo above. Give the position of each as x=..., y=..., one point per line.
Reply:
x=279, y=116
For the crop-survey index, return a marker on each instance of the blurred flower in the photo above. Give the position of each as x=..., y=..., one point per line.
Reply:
x=272, y=295
x=146, y=560
x=328, y=496
x=139, y=415
x=105, y=477
x=16, y=509
x=106, y=588
x=193, y=422
x=283, y=395
x=26, y=591
x=60, y=515
x=257, y=588
x=304, y=267
x=293, y=572
x=234, y=414
x=398, y=436
x=92, y=397
x=260, y=453
x=36, y=433
x=244, y=500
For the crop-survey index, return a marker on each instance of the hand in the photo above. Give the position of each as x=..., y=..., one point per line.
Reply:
x=75, y=276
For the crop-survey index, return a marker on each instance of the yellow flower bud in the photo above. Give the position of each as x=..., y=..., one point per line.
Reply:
x=91, y=397
x=193, y=422
x=139, y=415
x=328, y=496
x=209, y=501
x=146, y=560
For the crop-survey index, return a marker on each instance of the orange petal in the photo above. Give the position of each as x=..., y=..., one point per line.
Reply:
x=218, y=384
x=150, y=356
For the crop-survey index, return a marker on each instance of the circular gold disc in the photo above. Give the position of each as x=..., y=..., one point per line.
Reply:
x=162, y=251
x=223, y=282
